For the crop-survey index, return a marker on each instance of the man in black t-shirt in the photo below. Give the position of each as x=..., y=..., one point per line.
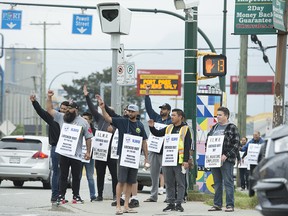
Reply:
x=126, y=175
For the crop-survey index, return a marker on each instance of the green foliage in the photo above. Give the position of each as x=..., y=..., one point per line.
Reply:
x=242, y=199
x=20, y=130
x=93, y=82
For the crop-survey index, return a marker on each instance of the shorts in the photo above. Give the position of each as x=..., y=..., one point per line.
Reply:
x=127, y=175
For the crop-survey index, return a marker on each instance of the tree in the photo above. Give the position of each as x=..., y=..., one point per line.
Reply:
x=93, y=82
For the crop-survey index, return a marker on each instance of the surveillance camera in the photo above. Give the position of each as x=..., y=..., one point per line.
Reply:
x=185, y=4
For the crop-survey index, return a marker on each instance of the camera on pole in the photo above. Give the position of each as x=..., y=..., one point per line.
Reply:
x=114, y=18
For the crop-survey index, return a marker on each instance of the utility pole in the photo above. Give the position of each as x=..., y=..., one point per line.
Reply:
x=43, y=86
x=278, y=107
x=242, y=86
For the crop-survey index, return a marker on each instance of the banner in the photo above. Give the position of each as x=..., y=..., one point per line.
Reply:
x=214, y=151
x=114, y=145
x=100, y=143
x=68, y=139
x=131, y=149
x=155, y=143
x=170, y=150
x=252, y=153
x=84, y=150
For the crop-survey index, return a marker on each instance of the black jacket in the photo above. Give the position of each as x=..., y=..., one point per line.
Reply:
x=53, y=129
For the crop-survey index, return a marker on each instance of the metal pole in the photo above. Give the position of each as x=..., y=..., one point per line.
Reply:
x=116, y=92
x=49, y=87
x=190, y=82
x=43, y=86
x=242, y=85
x=222, y=81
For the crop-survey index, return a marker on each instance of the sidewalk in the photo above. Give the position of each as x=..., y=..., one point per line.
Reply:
x=155, y=208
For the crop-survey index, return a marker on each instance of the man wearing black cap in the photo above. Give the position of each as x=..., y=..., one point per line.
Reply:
x=126, y=126
x=154, y=157
x=71, y=117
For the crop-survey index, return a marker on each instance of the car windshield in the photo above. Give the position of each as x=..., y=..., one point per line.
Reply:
x=23, y=144
x=281, y=145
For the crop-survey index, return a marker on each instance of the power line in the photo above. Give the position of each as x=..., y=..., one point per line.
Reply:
x=134, y=49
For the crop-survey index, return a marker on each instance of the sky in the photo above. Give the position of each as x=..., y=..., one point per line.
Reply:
x=148, y=31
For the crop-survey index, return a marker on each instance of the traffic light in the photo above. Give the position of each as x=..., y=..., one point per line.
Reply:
x=214, y=65
x=114, y=18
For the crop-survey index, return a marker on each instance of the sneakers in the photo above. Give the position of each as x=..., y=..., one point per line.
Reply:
x=161, y=191
x=99, y=198
x=169, y=207
x=54, y=199
x=114, y=203
x=61, y=200
x=133, y=203
x=93, y=199
x=77, y=199
x=179, y=207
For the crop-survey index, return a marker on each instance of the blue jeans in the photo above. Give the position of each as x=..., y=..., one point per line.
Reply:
x=55, y=168
x=89, y=167
x=224, y=173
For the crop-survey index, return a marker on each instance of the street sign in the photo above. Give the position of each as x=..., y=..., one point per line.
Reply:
x=11, y=19
x=82, y=24
x=214, y=65
x=130, y=73
x=120, y=58
x=7, y=127
x=120, y=74
x=279, y=15
x=253, y=17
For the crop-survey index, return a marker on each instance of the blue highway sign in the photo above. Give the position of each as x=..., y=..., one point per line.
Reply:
x=82, y=24
x=11, y=19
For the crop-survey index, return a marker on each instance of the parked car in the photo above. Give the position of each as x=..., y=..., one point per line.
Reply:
x=25, y=158
x=270, y=177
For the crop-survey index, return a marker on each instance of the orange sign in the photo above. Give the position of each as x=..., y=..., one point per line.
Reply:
x=163, y=82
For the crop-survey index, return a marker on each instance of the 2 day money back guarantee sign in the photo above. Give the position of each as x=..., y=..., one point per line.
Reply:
x=163, y=82
x=253, y=17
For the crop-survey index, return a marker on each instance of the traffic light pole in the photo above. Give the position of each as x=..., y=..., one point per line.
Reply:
x=190, y=83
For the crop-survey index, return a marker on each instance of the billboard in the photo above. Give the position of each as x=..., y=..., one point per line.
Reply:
x=257, y=85
x=163, y=82
x=253, y=17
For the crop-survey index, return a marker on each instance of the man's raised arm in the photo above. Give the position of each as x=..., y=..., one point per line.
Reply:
x=49, y=105
x=102, y=106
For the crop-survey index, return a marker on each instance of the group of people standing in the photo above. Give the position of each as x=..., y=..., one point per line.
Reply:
x=129, y=128
x=124, y=178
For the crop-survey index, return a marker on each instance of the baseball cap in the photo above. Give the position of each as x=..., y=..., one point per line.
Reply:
x=165, y=106
x=133, y=107
x=73, y=105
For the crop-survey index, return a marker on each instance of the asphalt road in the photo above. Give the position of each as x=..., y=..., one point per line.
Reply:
x=33, y=200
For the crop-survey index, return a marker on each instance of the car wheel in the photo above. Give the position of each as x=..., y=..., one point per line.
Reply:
x=18, y=183
x=140, y=187
x=46, y=185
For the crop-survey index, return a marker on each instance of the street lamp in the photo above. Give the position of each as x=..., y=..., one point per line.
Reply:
x=75, y=72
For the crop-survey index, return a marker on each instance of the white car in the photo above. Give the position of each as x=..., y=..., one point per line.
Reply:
x=25, y=158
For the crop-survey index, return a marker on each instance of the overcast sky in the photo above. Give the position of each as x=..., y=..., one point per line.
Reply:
x=148, y=31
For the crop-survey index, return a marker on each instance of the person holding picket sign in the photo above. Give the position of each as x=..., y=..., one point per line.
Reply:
x=222, y=146
x=176, y=154
x=132, y=137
